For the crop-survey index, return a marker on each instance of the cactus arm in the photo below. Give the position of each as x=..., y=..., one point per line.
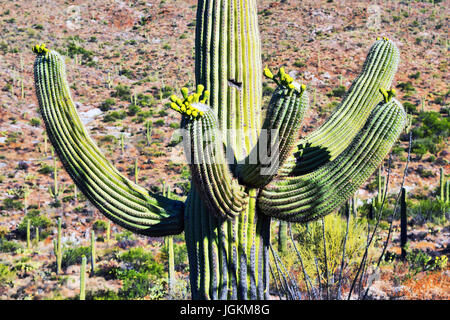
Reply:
x=329, y=140
x=280, y=131
x=317, y=193
x=206, y=157
x=124, y=202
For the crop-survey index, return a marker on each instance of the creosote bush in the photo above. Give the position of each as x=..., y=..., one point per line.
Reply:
x=311, y=247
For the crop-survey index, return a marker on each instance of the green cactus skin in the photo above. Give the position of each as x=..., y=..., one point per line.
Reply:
x=227, y=214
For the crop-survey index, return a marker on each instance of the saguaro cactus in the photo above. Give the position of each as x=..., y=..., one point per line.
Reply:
x=245, y=170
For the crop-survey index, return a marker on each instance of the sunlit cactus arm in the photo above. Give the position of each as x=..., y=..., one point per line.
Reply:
x=280, y=131
x=330, y=139
x=205, y=155
x=317, y=193
x=124, y=202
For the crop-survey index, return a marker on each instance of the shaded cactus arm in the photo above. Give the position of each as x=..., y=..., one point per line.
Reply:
x=334, y=135
x=280, y=131
x=124, y=202
x=317, y=193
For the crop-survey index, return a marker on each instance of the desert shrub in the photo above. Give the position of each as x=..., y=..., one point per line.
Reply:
x=102, y=295
x=100, y=225
x=138, y=285
x=73, y=256
x=406, y=87
x=419, y=261
x=310, y=244
x=35, y=122
x=267, y=90
x=141, y=275
x=12, y=204
x=114, y=115
x=72, y=49
x=122, y=91
x=45, y=168
x=430, y=130
x=166, y=91
x=410, y=107
x=414, y=75
x=133, y=109
x=142, y=261
x=179, y=254
x=7, y=275
x=9, y=246
x=107, y=104
x=428, y=210
x=337, y=92
x=145, y=100
x=37, y=220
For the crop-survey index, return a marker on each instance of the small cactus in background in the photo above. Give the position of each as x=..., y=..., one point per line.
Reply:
x=403, y=223
x=227, y=215
x=37, y=235
x=58, y=249
x=168, y=241
x=108, y=231
x=136, y=171
x=93, y=253
x=56, y=191
x=83, y=278
x=28, y=233
x=443, y=187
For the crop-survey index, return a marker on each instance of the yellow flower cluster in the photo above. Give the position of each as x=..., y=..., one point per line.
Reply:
x=387, y=94
x=283, y=79
x=40, y=49
x=185, y=105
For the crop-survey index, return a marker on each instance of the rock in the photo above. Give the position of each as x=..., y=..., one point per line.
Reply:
x=23, y=165
x=89, y=116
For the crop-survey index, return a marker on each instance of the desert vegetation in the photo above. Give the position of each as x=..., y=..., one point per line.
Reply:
x=54, y=244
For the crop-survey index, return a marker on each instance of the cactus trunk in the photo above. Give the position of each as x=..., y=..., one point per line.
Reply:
x=228, y=258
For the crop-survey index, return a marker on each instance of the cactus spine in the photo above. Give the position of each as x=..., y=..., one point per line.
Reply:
x=227, y=214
